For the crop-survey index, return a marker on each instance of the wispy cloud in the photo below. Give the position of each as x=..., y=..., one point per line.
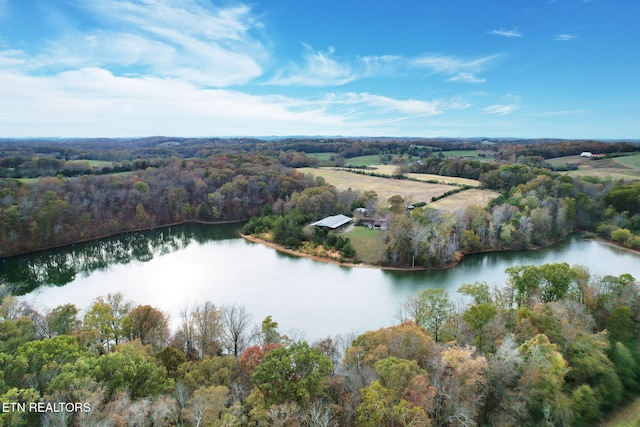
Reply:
x=505, y=33
x=319, y=69
x=565, y=37
x=466, y=78
x=459, y=69
x=501, y=110
x=185, y=39
x=408, y=106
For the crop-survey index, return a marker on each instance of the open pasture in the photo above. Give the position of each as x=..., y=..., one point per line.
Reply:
x=460, y=201
x=477, y=154
x=385, y=187
x=626, y=167
x=368, y=160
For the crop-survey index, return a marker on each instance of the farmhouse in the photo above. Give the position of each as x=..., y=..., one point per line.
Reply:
x=333, y=222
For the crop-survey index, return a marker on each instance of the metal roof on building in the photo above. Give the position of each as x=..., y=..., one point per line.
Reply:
x=334, y=221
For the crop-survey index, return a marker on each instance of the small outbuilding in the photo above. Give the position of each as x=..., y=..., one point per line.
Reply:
x=586, y=154
x=333, y=222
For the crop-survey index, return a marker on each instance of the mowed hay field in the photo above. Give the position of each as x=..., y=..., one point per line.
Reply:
x=460, y=201
x=385, y=187
x=626, y=168
x=416, y=191
x=391, y=169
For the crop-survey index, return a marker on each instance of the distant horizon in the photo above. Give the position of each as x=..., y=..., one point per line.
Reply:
x=312, y=137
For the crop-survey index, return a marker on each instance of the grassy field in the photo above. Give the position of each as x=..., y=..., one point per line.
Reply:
x=385, y=187
x=369, y=244
x=372, y=159
x=626, y=168
x=460, y=201
x=390, y=170
x=630, y=161
x=321, y=156
x=628, y=417
x=467, y=153
x=97, y=163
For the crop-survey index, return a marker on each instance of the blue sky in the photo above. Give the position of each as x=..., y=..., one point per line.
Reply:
x=509, y=68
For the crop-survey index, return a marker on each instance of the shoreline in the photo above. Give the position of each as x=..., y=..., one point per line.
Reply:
x=115, y=234
x=449, y=266
x=326, y=260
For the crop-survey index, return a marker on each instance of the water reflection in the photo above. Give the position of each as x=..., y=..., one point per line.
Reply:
x=58, y=267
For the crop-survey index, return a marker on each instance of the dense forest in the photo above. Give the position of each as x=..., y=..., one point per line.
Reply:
x=555, y=346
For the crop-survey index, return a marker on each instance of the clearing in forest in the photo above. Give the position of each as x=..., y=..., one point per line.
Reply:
x=460, y=201
x=625, y=167
x=414, y=191
x=391, y=170
x=385, y=187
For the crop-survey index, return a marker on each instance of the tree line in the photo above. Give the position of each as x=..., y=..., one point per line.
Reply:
x=556, y=345
x=56, y=211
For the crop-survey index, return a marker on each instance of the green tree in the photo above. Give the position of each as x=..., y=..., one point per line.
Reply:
x=269, y=331
x=107, y=316
x=376, y=408
x=542, y=381
x=430, y=309
x=62, y=320
x=37, y=362
x=129, y=368
x=297, y=373
x=621, y=326
x=396, y=374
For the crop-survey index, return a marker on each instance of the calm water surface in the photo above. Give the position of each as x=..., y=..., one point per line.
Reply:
x=173, y=268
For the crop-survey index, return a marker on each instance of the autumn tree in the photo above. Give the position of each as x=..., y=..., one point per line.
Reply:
x=149, y=325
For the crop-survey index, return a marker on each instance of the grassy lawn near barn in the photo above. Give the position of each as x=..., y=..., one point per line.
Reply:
x=369, y=244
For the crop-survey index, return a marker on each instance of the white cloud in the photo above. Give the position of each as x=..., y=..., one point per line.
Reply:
x=565, y=37
x=319, y=69
x=185, y=39
x=452, y=65
x=409, y=106
x=506, y=33
x=501, y=110
x=95, y=102
x=466, y=78
x=12, y=58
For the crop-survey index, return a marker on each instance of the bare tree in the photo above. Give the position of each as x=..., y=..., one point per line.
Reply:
x=238, y=331
x=206, y=319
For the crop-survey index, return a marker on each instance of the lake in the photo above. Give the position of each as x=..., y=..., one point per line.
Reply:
x=174, y=267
